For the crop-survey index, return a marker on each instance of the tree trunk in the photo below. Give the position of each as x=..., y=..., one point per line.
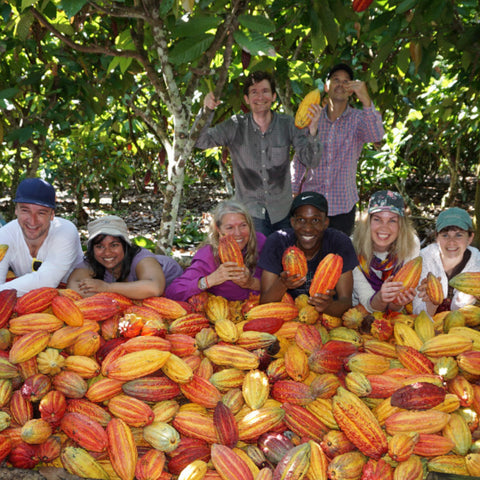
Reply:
x=453, y=166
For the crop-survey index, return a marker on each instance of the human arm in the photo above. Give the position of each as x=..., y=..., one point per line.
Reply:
x=428, y=305
x=210, y=101
x=150, y=282
x=326, y=303
x=307, y=146
x=273, y=286
x=359, y=89
x=391, y=296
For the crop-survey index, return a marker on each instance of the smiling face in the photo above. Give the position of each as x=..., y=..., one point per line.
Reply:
x=109, y=252
x=336, y=86
x=260, y=97
x=34, y=220
x=309, y=224
x=453, y=242
x=235, y=224
x=384, y=228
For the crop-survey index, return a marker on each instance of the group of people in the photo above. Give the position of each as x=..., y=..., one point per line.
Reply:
x=45, y=250
x=314, y=209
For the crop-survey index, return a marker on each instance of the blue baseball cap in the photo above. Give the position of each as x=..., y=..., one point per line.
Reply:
x=454, y=217
x=36, y=191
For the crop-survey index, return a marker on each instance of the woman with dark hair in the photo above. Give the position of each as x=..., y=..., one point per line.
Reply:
x=451, y=254
x=113, y=264
x=206, y=272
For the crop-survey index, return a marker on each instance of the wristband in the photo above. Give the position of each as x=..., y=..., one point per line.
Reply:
x=202, y=284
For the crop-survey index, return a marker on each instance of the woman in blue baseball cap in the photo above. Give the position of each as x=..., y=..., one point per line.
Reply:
x=448, y=256
x=384, y=240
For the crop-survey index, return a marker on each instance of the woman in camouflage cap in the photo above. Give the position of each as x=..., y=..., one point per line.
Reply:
x=384, y=240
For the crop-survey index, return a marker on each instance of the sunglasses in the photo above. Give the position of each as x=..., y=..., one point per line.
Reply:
x=36, y=264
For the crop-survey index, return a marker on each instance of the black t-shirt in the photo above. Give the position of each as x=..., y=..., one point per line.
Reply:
x=333, y=241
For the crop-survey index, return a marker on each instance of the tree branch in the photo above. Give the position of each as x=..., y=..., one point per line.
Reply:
x=96, y=49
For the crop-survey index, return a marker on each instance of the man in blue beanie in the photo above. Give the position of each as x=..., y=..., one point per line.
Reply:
x=42, y=248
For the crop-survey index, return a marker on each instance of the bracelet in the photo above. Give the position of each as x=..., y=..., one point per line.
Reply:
x=206, y=282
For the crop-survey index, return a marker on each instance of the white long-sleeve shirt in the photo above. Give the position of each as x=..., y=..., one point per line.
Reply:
x=362, y=290
x=432, y=262
x=59, y=253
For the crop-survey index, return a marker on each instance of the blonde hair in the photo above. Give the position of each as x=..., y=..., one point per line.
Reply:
x=402, y=247
x=224, y=208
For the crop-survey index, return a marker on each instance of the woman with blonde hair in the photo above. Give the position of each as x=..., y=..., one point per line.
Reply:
x=384, y=240
x=207, y=273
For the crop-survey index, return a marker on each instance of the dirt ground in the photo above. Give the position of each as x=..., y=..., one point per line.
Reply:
x=142, y=210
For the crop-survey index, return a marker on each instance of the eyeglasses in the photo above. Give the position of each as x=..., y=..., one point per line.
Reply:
x=36, y=264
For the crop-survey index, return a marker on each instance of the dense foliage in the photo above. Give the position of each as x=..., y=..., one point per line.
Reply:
x=100, y=95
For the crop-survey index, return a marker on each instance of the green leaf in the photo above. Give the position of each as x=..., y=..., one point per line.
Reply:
x=257, y=44
x=9, y=92
x=190, y=49
x=165, y=7
x=403, y=60
x=195, y=26
x=405, y=6
x=125, y=63
x=21, y=134
x=72, y=7
x=26, y=4
x=5, y=11
x=256, y=23
x=22, y=28
x=329, y=24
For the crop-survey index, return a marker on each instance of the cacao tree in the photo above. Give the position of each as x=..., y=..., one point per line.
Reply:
x=156, y=60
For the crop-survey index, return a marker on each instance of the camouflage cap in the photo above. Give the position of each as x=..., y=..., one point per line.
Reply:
x=386, y=201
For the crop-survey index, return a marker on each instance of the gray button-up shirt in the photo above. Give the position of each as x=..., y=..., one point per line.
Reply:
x=261, y=161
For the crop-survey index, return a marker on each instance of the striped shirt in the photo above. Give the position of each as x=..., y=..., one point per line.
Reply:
x=261, y=161
x=342, y=142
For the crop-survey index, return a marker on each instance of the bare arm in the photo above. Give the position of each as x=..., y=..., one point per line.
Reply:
x=273, y=286
x=150, y=283
x=324, y=303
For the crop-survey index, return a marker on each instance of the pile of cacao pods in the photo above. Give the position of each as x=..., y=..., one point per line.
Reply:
x=111, y=388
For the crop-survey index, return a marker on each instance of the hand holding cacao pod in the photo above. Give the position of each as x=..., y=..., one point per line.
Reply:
x=229, y=250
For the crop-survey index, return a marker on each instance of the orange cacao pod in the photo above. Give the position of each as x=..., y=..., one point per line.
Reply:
x=134, y=412
x=434, y=289
x=167, y=308
x=122, y=451
x=359, y=424
x=150, y=465
x=409, y=274
x=294, y=261
x=35, y=300
x=8, y=298
x=67, y=310
x=326, y=274
x=86, y=432
x=28, y=345
x=229, y=250
x=98, y=307
x=228, y=464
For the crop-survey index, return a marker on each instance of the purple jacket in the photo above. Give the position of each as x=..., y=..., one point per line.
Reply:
x=204, y=263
